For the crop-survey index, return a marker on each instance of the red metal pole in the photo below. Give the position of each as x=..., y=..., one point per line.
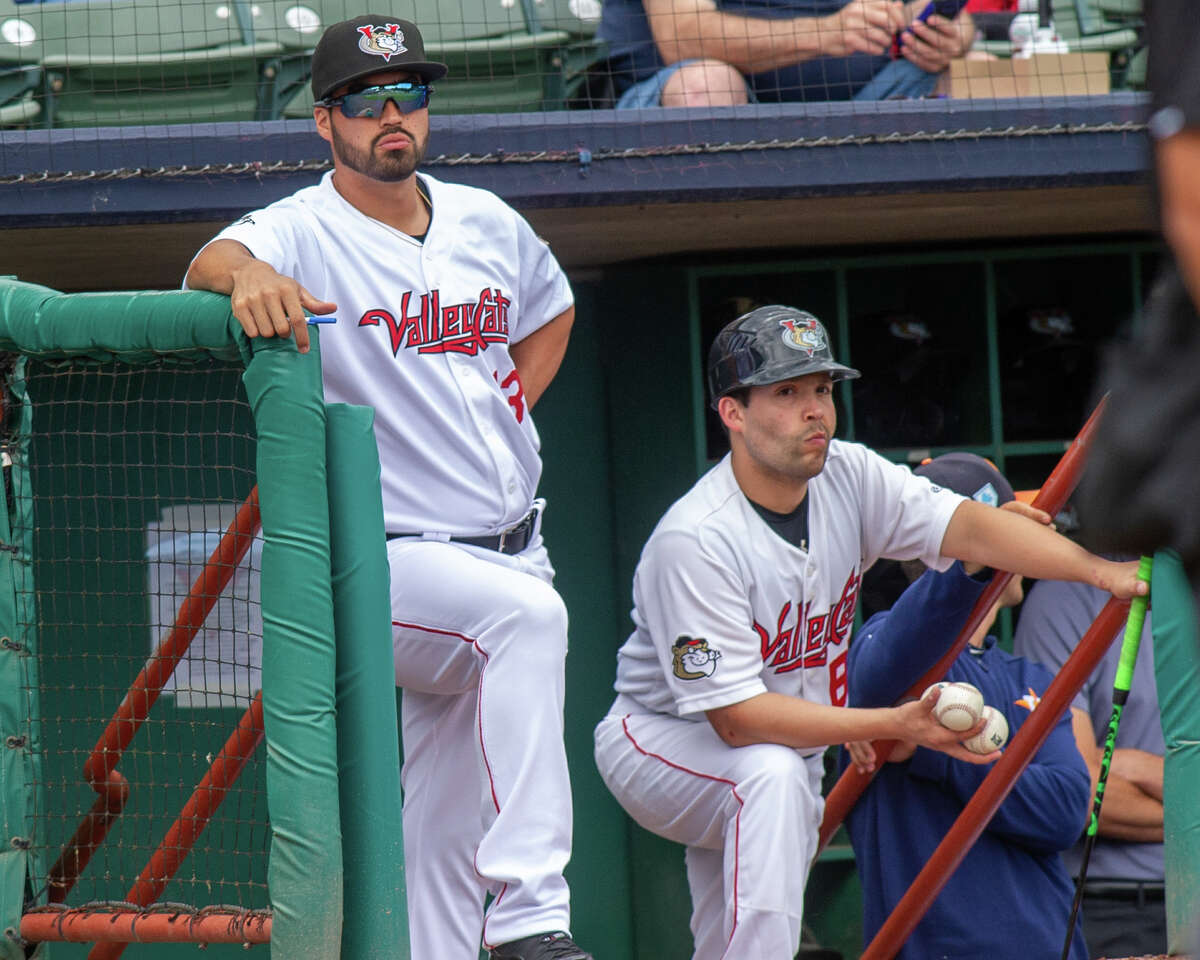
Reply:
x=194, y=817
x=203, y=596
x=85, y=926
x=997, y=784
x=100, y=770
x=1054, y=494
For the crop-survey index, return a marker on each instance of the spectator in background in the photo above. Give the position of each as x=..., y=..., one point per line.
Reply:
x=916, y=797
x=1174, y=77
x=678, y=53
x=1124, y=910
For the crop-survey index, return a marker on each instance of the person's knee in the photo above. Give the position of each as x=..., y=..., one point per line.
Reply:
x=779, y=775
x=705, y=83
x=538, y=624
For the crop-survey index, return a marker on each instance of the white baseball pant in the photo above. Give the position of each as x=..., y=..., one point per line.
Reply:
x=748, y=817
x=480, y=640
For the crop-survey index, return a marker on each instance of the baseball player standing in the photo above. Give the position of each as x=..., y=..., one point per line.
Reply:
x=729, y=687
x=453, y=318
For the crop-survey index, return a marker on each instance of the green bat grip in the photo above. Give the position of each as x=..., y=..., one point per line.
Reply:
x=1133, y=630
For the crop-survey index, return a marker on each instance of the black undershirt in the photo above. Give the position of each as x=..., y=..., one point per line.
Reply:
x=793, y=526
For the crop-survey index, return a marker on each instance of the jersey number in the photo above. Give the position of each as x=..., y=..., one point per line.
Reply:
x=516, y=399
x=837, y=680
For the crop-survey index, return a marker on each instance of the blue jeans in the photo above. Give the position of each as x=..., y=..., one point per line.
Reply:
x=900, y=78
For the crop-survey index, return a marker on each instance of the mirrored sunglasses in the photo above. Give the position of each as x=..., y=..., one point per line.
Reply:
x=370, y=101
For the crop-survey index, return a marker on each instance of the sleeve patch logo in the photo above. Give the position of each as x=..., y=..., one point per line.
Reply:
x=692, y=659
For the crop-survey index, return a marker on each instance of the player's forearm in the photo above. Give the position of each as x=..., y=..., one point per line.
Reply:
x=1008, y=541
x=793, y=722
x=538, y=357
x=1141, y=768
x=684, y=31
x=1130, y=814
x=215, y=265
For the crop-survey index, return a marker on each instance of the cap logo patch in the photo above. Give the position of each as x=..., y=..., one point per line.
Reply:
x=987, y=494
x=385, y=41
x=803, y=335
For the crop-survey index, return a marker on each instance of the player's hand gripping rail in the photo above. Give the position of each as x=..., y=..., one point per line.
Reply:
x=1052, y=497
x=997, y=784
x=1130, y=644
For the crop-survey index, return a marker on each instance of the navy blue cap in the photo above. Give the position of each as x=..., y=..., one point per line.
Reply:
x=969, y=475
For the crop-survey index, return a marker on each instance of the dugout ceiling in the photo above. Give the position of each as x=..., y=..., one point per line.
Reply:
x=125, y=207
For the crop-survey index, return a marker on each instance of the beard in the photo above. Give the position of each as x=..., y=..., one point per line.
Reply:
x=391, y=167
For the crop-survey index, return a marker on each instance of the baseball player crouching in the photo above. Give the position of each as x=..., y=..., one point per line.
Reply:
x=452, y=319
x=733, y=681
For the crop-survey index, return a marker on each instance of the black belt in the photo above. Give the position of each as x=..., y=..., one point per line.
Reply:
x=510, y=541
x=1132, y=891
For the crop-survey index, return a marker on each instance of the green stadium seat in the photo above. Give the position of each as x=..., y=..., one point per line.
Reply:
x=1122, y=11
x=19, y=85
x=501, y=57
x=155, y=61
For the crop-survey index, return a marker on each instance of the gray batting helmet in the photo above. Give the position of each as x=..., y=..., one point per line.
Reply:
x=768, y=345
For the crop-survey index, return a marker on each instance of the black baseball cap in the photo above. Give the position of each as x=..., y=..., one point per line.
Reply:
x=970, y=476
x=369, y=44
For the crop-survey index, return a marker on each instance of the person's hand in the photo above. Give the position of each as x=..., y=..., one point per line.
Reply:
x=268, y=304
x=902, y=751
x=917, y=724
x=862, y=755
x=932, y=44
x=1121, y=580
x=861, y=26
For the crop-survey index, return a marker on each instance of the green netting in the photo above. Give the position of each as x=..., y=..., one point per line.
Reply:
x=127, y=432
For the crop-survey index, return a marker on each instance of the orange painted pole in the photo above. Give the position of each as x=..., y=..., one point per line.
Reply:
x=998, y=783
x=100, y=770
x=86, y=926
x=194, y=610
x=1053, y=495
x=194, y=817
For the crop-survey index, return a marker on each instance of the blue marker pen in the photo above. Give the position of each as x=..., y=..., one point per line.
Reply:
x=322, y=319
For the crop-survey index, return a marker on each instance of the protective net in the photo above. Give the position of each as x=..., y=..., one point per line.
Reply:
x=121, y=484
x=548, y=66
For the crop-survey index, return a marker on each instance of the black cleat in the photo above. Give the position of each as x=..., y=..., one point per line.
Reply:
x=556, y=945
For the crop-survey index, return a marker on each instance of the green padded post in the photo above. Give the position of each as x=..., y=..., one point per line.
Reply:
x=376, y=916
x=1177, y=670
x=299, y=667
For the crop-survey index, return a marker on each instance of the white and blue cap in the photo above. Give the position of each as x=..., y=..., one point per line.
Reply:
x=970, y=476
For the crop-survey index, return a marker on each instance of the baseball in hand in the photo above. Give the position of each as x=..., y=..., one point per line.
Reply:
x=958, y=707
x=991, y=737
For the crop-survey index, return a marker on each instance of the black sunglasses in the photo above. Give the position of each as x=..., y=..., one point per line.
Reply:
x=371, y=101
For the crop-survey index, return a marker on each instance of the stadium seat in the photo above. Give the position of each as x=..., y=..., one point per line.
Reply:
x=153, y=61
x=20, y=73
x=501, y=57
x=18, y=87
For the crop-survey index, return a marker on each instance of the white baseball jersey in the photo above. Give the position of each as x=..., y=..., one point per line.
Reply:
x=726, y=609
x=422, y=335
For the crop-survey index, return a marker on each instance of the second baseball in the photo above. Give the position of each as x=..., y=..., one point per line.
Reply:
x=958, y=707
x=991, y=737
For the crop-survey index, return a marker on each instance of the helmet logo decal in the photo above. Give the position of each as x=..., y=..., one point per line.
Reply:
x=805, y=335
x=385, y=41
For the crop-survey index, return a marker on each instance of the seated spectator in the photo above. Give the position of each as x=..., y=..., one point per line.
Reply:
x=1014, y=867
x=1124, y=907
x=679, y=53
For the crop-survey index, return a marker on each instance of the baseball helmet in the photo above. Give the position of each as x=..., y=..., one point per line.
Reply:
x=767, y=345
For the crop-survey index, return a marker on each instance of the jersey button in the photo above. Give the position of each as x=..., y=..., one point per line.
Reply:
x=512, y=486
